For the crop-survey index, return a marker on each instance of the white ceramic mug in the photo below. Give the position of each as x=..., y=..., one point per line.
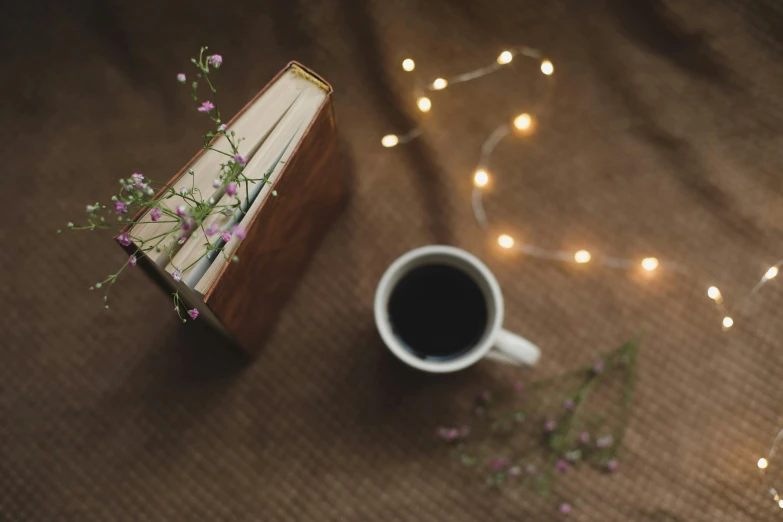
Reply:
x=496, y=344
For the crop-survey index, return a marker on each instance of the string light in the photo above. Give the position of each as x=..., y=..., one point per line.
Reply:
x=713, y=293
x=523, y=121
x=506, y=241
x=440, y=84
x=728, y=322
x=390, y=140
x=408, y=64
x=762, y=463
x=480, y=178
x=771, y=273
x=649, y=263
x=505, y=57
x=582, y=256
x=547, y=67
x=424, y=104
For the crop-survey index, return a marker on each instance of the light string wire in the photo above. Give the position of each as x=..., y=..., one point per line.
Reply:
x=525, y=124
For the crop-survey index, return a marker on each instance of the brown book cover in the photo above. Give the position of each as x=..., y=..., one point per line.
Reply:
x=248, y=296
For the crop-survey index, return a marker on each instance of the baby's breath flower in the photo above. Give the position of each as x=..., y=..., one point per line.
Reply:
x=177, y=275
x=231, y=189
x=212, y=230
x=226, y=235
x=216, y=183
x=193, y=313
x=215, y=60
x=239, y=232
x=239, y=158
x=182, y=211
x=222, y=127
x=132, y=261
x=120, y=207
x=155, y=214
x=123, y=239
x=181, y=78
x=206, y=107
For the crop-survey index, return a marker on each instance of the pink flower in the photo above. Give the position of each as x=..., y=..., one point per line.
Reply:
x=226, y=235
x=212, y=230
x=565, y=508
x=132, y=261
x=123, y=239
x=206, y=107
x=177, y=275
x=499, y=463
x=120, y=207
x=193, y=314
x=187, y=223
x=216, y=183
x=568, y=404
x=453, y=434
x=562, y=466
x=182, y=211
x=155, y=214
x=242, y=160
x=598, y=367
x=181, y=78
x=215, y=60
x=550, y=425
x=612, y=465
x=222, y=127
x=137, y=177
x=182, y=240
x=605, y=441
x=584, y=437
x=239, y=232
x=231, y=189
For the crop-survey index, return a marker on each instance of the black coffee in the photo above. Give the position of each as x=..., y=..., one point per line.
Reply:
x=438, y=311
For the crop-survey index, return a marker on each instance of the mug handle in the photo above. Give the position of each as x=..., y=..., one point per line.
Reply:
x=509, y=348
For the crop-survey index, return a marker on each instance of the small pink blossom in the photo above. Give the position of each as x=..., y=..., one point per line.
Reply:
x=562, y=466
x=137, y=177
x=182, y=240
x=193, y=314
x=222, y=127
x=584, y=437
x=206, y=107
x=183, y=191
x=187, y=223
x=123, y=239
x=120, y=207
x=132, y=261
x=181, y=78
x=226, y=236
x=550, y=425
x=177, y=275
x=568, y=404
x=239, y=232
x=155, y=214
x=242, y=160
x=231, y=189
x=605, y=441
x=182, y=211
x=598, y=367
x=215, y=60
x=500, y=463
x=212, y=230
x=216, y=183
x=565, y=508
x=612, y=465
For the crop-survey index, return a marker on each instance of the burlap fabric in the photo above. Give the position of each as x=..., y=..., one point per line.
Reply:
x=662, y=138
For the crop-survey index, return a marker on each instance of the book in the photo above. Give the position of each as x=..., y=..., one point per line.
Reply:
x=295, y=190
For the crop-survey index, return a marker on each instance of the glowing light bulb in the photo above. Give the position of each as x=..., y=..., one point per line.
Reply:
x=780, y=503
x=408, y=64
x=439, y=84
x=424, y=104
x=728, y=322
x=506, y=241
x=762, y=463
x=481, y=178
x=649, y=263
x=713, y=293
x=583, y=256
x=547, y=67
x=523, y=121
x=390, y=140
x=505, y=57
x=772, y=272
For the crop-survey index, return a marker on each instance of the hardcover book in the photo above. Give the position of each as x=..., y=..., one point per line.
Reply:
x=290, y=142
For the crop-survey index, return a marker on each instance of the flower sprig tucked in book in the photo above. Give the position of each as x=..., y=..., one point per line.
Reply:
x=191, y=227
x=527, y=435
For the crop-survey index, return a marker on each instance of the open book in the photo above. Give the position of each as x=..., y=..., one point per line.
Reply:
x=293, y=189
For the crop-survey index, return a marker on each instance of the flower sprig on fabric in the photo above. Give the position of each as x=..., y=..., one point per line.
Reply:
x=526, y=436
x=139, y=191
